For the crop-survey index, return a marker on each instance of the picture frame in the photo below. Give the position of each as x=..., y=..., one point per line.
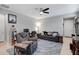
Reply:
x=12, y=18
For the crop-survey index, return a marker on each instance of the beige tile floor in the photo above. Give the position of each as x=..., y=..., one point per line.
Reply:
x=64, y=51
x=4, y=48
x=65, y=48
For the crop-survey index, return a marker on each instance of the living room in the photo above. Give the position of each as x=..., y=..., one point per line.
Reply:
x=49, y=26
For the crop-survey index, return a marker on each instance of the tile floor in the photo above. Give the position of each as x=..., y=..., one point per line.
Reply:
x=64, y=49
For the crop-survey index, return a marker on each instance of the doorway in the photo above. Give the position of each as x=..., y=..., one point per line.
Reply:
x=2, y=27
x=68, y=26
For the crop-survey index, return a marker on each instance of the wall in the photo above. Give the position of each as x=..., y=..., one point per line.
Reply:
x=2, y=28
x=22, y=22
x=54, y=23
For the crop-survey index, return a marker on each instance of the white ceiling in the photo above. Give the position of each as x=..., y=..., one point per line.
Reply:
x=55, y=9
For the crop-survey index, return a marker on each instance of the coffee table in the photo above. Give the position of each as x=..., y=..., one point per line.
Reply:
x=19, y=47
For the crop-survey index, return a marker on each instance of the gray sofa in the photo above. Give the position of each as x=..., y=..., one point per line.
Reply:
x=25, y=38
x=52, y=37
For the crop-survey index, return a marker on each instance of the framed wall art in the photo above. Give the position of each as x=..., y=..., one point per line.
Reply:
x=12, y=18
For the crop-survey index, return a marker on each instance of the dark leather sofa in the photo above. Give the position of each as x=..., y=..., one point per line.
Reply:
x=25, y=38
x=52, y=37
x=74, y=47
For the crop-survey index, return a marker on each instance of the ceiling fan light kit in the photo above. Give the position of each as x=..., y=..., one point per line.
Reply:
x=44, y=11
x=41, y=13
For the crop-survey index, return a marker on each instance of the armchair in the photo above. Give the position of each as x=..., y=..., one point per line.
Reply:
x=24, y=38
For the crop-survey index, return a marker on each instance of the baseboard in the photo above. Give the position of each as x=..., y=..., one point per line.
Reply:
x=67, y=36
x=1, y=41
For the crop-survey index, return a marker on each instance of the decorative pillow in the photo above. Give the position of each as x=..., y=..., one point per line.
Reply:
x=19, y=38
x=54, y=34
x=23, y=34
x=49, y=33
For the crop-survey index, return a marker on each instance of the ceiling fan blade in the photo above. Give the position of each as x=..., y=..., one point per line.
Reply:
x=46, y=12
x=45, y=9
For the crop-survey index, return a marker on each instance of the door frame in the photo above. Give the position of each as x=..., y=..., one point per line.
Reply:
x=5, y=38
x=66, y=18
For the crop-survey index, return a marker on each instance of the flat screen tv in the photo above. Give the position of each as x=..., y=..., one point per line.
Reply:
x=26, y=30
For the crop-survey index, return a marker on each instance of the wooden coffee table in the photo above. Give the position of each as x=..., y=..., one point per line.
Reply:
x=27, y=42
x=18, y=47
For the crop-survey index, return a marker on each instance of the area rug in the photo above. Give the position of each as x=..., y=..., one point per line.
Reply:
x=44, y=48
x=48, y=48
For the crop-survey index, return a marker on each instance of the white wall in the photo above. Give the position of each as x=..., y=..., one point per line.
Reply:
x=22, y=22
x=2, y=27
x=54, y=23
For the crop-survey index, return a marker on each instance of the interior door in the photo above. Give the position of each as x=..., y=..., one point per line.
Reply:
x=2, y=28
x=68, y=27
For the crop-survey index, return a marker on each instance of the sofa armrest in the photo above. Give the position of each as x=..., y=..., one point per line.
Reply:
x=33, y=39
x=71, y=46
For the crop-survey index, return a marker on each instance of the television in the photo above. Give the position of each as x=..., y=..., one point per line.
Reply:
x=26, y=30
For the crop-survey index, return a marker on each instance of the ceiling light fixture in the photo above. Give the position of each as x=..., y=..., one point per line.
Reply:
x=41, y=13
x=42, y=10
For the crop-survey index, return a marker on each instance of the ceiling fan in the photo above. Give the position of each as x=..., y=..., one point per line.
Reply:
x=44, y=11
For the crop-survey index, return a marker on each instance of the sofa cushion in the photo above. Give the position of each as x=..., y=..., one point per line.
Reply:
x=54, y=34
x=19, y=39
x=50, y=33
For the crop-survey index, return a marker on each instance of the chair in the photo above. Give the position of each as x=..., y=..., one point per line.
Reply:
x=24, y=38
